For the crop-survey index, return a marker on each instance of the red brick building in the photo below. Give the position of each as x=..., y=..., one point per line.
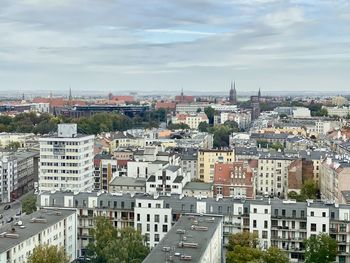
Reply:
x=234, y=179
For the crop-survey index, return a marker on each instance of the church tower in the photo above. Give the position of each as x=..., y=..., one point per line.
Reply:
x=233, y=94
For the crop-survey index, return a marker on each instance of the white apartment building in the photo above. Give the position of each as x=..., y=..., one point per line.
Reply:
x=272, y=176
x=301, y=112
x=152, y=219
x=338, y=111
x=191, y=107
x=49, y=227
x=8, y=177
x=192, y=120
x=288, y=224
x=171, y=179
x=66, y=160
x=260, y=222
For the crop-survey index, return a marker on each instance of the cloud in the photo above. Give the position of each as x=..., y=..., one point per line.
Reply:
x=202, y=43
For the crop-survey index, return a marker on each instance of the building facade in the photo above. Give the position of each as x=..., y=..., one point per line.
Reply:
x=66, y=160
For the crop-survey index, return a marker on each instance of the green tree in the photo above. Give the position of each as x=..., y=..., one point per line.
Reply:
x=244, y=247
x=29, y=205
x=178, y=126
x=210, y=112
x=203, y=126
x=275, y=255
x=13, y=145
x=111, y=245
x=48, y=254
x=309, y=189
x=321, y=249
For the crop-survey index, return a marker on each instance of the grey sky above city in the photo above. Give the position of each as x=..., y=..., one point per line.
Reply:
x=163, y=46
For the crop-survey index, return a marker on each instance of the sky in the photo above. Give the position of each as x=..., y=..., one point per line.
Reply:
x=163, y=46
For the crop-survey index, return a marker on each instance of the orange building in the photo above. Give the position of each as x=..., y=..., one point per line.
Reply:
x=234, y=179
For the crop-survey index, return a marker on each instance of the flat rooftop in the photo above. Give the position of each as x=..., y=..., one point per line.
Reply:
x=30, y=227
x=193, y=231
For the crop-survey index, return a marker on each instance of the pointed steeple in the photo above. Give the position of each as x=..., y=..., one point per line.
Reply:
x=234, y=86
x=70, y=94
x=259, y=93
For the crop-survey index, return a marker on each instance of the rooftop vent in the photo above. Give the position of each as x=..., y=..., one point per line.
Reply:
x=180, y=231
x=38, y=220
x=188, y=245
x=199, y=228
x=185, y=257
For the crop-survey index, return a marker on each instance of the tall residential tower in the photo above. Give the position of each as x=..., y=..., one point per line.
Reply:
x=66, y=160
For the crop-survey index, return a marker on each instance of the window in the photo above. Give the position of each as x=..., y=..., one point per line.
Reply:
x=165, y=228
x=254, y=223
x=265, y=224
x=255, y=210
x=156, y=218
x=148, y=217
x=323, y=227
x=302, y=214
x=138, y=217
x=276, y=212
x=283, y=212
x=156, y=228
x=156, y=237
x=313, y=227
x=165, y=219
x=294, y=213
x=323, y=214
x=148, y=228
x=149, y=205
x=312, y=213
x=264, y=234
x=332, y=215
x=266, y=211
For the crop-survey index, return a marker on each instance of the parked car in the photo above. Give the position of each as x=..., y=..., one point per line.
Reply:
x=18, y=213
x=9, y=220
x=7, y=207
x=1, y=216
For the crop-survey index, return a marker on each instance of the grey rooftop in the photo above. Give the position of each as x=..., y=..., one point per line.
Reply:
x=199, y=239
x=30, y=228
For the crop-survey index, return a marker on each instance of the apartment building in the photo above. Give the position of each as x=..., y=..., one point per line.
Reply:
x=192, y=120
x=49, y=227
x=153, y=220
x=8, y=177
x=170, y=179
x=207, y=159
x=188, y=162
x=18, y=170
x=203, y=245
x=104, y=167
x=234, y=179
x=334, y=179
x=281, y=223
x=66, y=160
x=272, y=176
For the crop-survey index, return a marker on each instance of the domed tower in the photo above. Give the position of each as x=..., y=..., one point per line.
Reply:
x=233, y=94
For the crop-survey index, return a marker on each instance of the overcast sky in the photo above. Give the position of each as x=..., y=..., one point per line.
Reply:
x=166, y=45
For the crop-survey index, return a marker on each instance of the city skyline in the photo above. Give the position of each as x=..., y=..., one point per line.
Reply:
x=198, y=45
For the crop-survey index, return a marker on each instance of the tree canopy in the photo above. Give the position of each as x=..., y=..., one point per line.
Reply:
x=29, y=205
x=321, y=249
x=309, y=190
x=48, y=254
x=244, y=247
x=99, y=122
x=111, y=245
